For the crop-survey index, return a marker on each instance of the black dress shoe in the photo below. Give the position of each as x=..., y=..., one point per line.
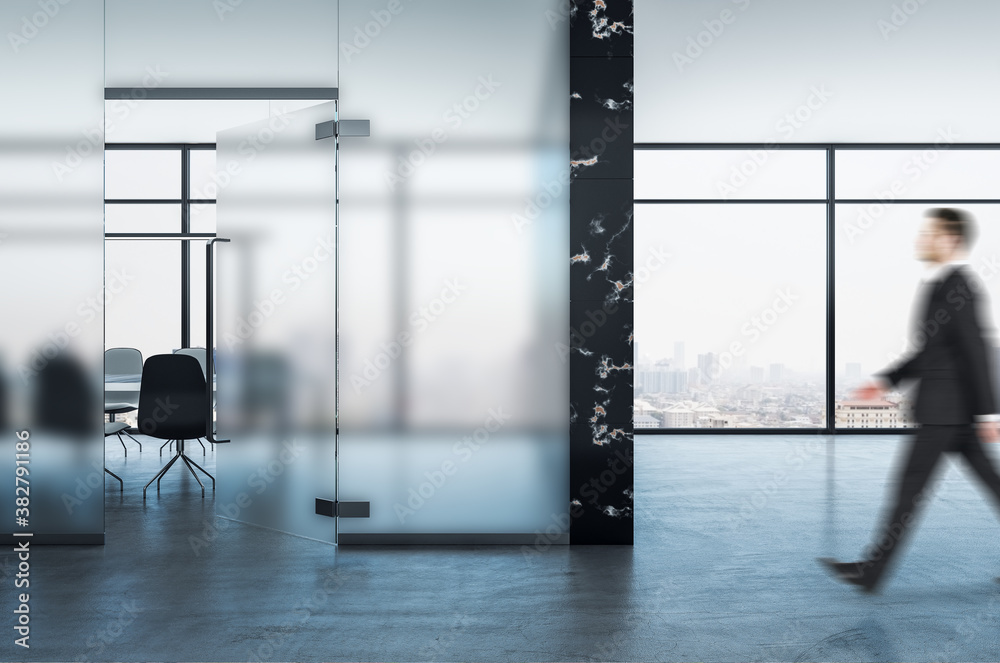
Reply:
x=849, y=572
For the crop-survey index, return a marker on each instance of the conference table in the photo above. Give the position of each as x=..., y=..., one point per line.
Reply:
x=123, y=390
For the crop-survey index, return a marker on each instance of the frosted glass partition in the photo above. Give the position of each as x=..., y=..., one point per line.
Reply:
x=193, y=43
x=939, y=171
x=805, y=71
x=454, y=220
x=766, y=172
x=51, y=267
x=140, y=120
x=276, y=323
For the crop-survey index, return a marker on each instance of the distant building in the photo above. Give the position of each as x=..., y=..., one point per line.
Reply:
x=645, y=421
x=678, y=416
x=707, y=367
x=740, y=370
x=720, y=421
x=679, y=355
x=756, y=374
x=640, y=406
x=646, y=382
x=870, y=414
x=661, y=380
x=677, y=381
x=776, y=372
x=752, y=393
x=704, y=413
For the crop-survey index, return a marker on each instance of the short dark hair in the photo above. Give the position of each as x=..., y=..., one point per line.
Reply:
x=953, y=221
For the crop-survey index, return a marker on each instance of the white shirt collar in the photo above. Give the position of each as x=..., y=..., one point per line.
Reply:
x=939, y=272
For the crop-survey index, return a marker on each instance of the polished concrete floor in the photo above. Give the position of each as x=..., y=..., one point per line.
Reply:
x=727, y=529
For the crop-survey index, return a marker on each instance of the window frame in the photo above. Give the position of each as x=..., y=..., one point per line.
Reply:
x=830, y=201
x=184, y=234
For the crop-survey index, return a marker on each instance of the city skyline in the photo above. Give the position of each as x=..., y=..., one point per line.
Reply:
x=846, y=368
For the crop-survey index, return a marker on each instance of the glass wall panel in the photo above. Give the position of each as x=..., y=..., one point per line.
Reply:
x=451, y=311
x=876, y=297
x=142, y=218
x=937, y=172
x=730, y=316
x=276, y=286
x=51, y=265
x=148, y=174
x=202, y=168
x=730, y=174
x=202, y=217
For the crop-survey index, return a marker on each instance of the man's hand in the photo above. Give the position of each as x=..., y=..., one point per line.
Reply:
x=872, y=390
x=989, y=431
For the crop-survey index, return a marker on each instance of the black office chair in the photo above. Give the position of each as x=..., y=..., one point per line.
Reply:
x=120, y=363
x=201, y=355
x=173, y=406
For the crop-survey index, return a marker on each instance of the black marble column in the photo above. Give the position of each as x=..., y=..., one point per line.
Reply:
x=601, y=279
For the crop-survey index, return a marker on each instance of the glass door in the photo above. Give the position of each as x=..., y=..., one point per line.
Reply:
x=275, y=323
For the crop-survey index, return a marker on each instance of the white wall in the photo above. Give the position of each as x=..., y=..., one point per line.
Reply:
x=228, y=43
x=889, y=71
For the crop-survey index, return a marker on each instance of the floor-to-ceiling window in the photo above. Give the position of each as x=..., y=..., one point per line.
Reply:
x=770, y=282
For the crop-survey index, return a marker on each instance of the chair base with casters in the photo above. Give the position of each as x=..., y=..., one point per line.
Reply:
x=117, y=428
x=191, y=465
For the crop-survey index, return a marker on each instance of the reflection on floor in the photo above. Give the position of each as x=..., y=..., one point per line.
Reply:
x=723, y=569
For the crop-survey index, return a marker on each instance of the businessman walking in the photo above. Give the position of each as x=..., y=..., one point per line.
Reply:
x=955, y=405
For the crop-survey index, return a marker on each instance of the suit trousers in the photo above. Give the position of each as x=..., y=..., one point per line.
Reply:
x=925, y=450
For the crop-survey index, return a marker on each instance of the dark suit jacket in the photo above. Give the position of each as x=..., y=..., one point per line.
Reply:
x=955, y=364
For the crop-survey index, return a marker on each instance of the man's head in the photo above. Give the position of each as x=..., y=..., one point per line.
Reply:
x=947, y=233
